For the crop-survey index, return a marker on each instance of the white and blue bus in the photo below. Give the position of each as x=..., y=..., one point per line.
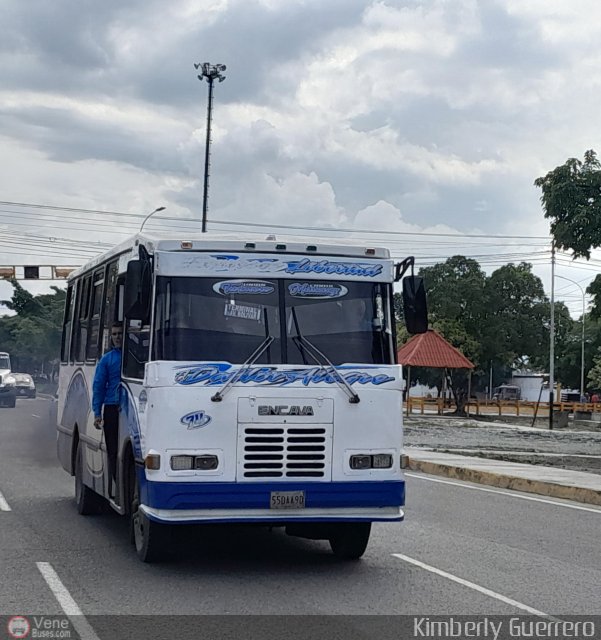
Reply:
x=259, y=385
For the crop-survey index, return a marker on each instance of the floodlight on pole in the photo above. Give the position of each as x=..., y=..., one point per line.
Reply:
x=148, y=216
x=210, y=73
x=582, y=338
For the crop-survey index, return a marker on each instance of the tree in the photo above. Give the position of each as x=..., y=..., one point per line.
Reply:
x=515, y=331
x=501, y=320
x=33, y=335
x=571, y=199
x=594, y=375
x=594, y=289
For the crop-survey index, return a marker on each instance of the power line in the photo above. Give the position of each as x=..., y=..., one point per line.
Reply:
x=398, y=233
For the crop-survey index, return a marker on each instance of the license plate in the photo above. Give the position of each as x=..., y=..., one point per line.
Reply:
x=287, y=500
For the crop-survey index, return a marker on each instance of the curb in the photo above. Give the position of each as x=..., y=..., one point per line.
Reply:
x=549, y=489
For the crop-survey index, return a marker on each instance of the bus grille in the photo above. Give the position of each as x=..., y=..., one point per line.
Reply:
x=285, y=451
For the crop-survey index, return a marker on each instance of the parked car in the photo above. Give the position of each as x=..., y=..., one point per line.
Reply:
x=507, y=392
x=25, y=385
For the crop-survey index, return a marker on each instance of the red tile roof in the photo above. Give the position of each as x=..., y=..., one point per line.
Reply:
x=430, y=349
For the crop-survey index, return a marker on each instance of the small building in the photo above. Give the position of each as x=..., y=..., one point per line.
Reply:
x=530, y=386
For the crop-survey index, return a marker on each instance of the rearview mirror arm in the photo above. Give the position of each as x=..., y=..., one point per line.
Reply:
x=400, y=268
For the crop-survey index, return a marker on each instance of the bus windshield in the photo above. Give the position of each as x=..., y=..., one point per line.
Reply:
x=209, y=319
x=4, y=362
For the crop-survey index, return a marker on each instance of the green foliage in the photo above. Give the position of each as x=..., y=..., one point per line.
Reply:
x=594, y=289
x=594, y=375
x=33, y=335
x=515, y=328
x=571, y=199
x=501, y=320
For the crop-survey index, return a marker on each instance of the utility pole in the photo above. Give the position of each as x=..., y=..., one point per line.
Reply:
x=552, y=338
x=210, y=73
x=582, y=337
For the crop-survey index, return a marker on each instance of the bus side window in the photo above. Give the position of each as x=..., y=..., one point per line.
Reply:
x=67, y=324
x=110, y=307
x=81, y=323
x=93, y=336
x=135, y=349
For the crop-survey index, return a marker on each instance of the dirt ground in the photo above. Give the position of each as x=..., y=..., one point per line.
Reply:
x=567, y=449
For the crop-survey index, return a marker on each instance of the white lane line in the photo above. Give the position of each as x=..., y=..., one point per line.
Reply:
x=33, y=415
x=506, y=493
x=471, y=585
x=68, y=605
x=4, y=506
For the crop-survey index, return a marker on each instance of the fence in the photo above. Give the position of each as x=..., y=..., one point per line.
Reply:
x=498, y=407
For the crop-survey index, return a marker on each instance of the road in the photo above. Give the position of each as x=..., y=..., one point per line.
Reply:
x=463, y=549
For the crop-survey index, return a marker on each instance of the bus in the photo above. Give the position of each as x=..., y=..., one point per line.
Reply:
x=259, y=385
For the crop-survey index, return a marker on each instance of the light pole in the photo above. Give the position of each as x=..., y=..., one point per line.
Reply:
x=582, y=340
x=210, y=73
x=148, y=216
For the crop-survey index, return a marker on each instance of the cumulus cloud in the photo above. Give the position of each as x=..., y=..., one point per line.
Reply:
x=394, y=114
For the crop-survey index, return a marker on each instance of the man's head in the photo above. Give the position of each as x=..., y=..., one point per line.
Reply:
x=117, y=334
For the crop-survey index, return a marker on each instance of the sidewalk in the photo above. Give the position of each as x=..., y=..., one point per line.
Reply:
x=546, y=481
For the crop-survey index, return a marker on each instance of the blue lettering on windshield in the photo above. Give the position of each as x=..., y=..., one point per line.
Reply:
x=337, y=268
x=215, y=374
x=316, y=290
x=244, y=287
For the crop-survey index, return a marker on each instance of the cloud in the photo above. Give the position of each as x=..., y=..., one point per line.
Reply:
x=393, y=113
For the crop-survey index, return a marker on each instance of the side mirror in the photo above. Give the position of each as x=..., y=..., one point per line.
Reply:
x=415, y=307
x=136, y=298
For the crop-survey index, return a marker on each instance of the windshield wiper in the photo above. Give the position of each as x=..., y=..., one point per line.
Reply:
x=309, y=347
x=254, y=356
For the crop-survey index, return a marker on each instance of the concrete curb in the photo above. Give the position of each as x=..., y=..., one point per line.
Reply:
x=540, y=487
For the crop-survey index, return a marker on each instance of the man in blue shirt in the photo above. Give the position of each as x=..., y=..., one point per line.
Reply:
x=106, y=393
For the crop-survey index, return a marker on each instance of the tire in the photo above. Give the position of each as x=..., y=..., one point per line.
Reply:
x=12, y=403
x=349, y=541
x=150, y=538
x=86, y=500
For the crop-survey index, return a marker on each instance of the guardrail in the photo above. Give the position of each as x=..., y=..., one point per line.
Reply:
x=498, y=407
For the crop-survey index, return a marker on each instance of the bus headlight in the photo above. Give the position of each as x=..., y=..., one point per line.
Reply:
x=182, y=463
x=203, y=462
x=376, y=461
x=206, y=462
x=382, y=461
x=360, y=462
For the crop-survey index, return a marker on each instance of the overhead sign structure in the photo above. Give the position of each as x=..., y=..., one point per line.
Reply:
x=35, y=272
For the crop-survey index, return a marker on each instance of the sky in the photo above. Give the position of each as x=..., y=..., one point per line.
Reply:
x=404, y=119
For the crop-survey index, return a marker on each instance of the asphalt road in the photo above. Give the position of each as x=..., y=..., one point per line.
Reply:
x=463, y=549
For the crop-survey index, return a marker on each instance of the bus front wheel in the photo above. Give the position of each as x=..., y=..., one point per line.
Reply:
x=149, y=537
x=349, y=540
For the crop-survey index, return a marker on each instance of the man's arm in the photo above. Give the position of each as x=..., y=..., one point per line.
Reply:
x=99, y=387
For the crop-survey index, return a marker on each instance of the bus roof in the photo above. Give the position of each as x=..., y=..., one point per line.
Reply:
x=236, y=243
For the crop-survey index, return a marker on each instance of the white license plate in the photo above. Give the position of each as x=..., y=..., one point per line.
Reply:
x=287, y=500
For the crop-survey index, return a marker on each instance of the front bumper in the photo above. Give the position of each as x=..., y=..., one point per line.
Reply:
x=273, y=516
x=249, y=502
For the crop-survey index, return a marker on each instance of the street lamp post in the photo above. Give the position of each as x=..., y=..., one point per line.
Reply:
x=582, y=340
x=148, y=216
x=210, y=73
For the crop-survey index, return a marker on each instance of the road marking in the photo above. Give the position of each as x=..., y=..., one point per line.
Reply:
x=4, y=506
x=33, y=415
x=471, y=585
x=506, y=493
x=68, y=605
